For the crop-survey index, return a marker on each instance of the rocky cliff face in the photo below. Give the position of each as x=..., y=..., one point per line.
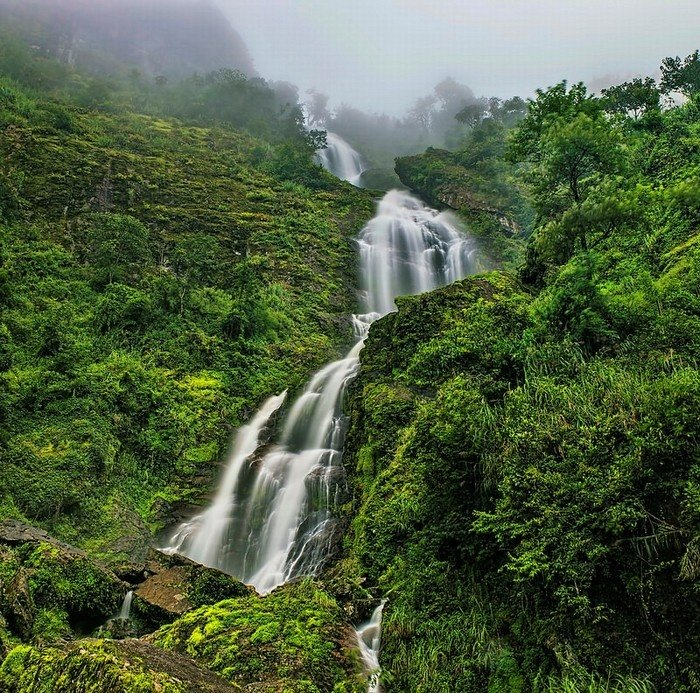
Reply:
x=174, y=38
x=440, y=179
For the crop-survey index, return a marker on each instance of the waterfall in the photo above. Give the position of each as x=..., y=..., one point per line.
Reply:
x=341, y=159
x=205, y=538
x=273, y=517
x=408, y=248
x=125, y=612
x=369, y=640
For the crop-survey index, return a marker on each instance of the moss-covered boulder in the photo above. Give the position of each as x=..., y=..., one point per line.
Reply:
x=50, y=591
x=97, y=666
x=293, y=640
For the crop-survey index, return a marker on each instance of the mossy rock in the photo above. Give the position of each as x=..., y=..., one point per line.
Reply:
x=50, y=591
x=97, y=666
x=294, y=640
x=174, y=585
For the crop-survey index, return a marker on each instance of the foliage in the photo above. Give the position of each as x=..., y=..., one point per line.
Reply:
x=97, y=665
x=636, y=97
x=524, y=456
x=681, y=75
x=50, y=593
x=157, y=281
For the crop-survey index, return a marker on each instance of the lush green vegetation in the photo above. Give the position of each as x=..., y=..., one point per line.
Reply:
x=158, y=280
x=524, y=449
x=93, y=666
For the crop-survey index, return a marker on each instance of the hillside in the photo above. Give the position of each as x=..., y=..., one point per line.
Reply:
x=157, y=283
x=524, y=447
x=521, y=449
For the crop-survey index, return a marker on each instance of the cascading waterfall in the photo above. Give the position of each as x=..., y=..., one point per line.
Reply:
x=273, y=516
x=369, y=639
x=205, y=538
x=341, y=159
x=408, y=248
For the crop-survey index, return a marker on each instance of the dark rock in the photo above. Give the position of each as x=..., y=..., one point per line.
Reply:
x=175, y=584
x=14, y=532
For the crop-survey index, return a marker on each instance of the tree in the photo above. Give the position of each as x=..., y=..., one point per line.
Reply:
x=553, y=104
x=512, y=110
x=317, y=108
x=568, y=146
x=472, y=114
x=423, y=111
x=117, y=247
x=636, y=97
x=453, y=95
x=576, y=150
x=681, y=75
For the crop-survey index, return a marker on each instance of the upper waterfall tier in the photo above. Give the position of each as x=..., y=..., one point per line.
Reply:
x=341, y=159
x=408, y=248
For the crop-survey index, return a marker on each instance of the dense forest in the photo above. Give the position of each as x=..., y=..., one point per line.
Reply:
x=522, y=460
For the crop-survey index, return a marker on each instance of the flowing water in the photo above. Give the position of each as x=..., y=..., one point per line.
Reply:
x=368, y=640
x=273, y=517
x=341, y=159
x=125, y=612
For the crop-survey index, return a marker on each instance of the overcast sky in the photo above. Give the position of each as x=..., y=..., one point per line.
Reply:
x=380, y=55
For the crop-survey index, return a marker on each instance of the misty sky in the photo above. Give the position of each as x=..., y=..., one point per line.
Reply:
x=380, y=55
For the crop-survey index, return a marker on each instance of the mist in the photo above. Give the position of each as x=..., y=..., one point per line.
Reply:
x=380, y=55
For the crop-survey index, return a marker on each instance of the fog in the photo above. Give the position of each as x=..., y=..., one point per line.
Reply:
x=380, y=55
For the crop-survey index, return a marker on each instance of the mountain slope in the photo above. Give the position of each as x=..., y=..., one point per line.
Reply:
x=174, y=38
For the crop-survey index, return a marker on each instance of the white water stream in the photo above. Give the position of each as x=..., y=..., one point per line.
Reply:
x=125, y=612
x=369, y=639
x=272, y=517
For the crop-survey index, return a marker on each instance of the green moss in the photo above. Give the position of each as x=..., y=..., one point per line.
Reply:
x=210, y=586
x=293, y=639
x=92, y=666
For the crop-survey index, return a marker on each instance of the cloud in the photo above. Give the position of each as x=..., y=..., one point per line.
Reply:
x=382, y=54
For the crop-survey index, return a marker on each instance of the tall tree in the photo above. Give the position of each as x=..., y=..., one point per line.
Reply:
x=633, y=98
x=681, y=75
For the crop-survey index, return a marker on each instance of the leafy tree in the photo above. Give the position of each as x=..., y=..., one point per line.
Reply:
x=423, y=111
x=507, y=112
x=118, y=247
x=558, y=103
x=472, y=114
x=636, y=97
x=681, y=75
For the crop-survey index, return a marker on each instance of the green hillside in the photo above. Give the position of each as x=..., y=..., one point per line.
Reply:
x=523, y=451
x=159, y=280
x=524, y=448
